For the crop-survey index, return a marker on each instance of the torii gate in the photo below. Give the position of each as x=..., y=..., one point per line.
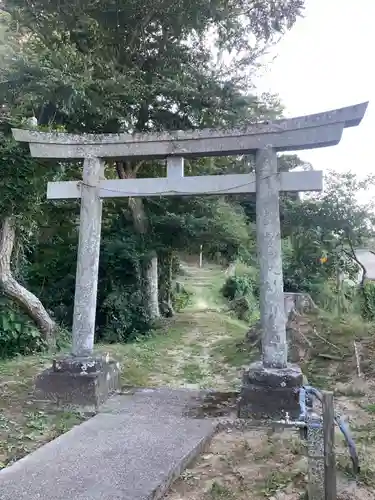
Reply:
x=265, y=140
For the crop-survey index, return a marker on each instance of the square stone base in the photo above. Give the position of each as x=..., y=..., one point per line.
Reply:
x=268, y=393
x=78, y=383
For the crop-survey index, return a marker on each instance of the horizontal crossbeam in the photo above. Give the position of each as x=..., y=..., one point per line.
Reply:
x=186, y=186
x=306, y=132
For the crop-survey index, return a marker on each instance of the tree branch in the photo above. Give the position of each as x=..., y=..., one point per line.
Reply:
x=12, y=289
x=353, y=255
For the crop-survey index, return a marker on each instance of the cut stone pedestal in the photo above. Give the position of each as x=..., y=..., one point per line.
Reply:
x=268, y=393
x=79, y=382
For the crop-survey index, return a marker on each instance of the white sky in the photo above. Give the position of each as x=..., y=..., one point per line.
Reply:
x=325, y=62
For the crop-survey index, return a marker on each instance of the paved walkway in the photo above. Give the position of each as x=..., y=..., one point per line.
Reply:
x=132, y=450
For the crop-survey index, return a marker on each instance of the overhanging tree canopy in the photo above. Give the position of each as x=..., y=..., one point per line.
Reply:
x=131, y=65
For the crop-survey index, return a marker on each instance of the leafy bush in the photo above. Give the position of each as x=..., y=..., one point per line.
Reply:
x=244, y=281
x=121, y=316
x=181, y=300
x=236, y=287
x=120, y=312
x=329, y=298
x=18, y=335
x=242, y=290
x=368, y=302
x=52, y=263
x=303, y=271
x=244, y=307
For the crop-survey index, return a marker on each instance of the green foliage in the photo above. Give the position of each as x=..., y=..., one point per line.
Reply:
x=17, y=334
x=126, y=66
x=121, y=315
x=302, y=269
x=120, y=306
x=347, y=299
x=237, y=286
x=241, y=289
x=227, y=233
x=187, y=223
x=23, y=182
x=181, y=299
x=50, y=271
x=368, y=301
x=330, y=226
x=121, y=312
x=116, y=65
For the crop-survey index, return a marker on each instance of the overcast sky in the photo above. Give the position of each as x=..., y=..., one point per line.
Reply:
x=327, y=61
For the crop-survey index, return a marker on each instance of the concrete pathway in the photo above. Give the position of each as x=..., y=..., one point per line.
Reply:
x=132, y=450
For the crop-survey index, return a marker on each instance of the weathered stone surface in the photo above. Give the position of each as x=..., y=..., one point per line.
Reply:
x=186, y=186
x=82, y=383
x=132, y=450
x=79, y=364
x=301, y=302
x=318, y=130
x=271, y=291
x=298, y=330
x=268, y=393
x=297, y=327
x=87, y=259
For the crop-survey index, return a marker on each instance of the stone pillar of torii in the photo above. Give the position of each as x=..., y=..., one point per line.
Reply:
x=269, y=385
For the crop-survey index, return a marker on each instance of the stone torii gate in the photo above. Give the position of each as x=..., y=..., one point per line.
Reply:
x=84, y=379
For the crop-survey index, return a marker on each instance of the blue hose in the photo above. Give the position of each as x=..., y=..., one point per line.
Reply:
x=309, y=390
x=350, y=443
x=302, y=404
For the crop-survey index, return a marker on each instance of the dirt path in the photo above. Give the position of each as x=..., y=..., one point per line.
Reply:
x=198, y=359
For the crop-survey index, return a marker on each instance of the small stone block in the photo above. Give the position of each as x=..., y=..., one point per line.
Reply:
x=270, y=393
x=81, y=387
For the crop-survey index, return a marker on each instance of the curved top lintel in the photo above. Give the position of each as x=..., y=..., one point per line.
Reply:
x=350, y=116
x=304, y=132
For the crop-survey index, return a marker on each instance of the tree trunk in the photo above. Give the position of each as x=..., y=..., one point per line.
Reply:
x=165, y=280
x=12, y=289
x=353, y=255
x=150, y=264
x=151, y=290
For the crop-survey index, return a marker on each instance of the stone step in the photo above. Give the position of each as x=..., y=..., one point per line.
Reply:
x=132, y=450
x=202, y=269
x=203, y=275
x=198, y=275
x=195, y=281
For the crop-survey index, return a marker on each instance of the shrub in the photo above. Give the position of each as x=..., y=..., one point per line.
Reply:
x=236, y=287
x=18, y=335
x=242, y=290
x=121, y=316
x=181, y=300
x=120, y=313
x=368, y=302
